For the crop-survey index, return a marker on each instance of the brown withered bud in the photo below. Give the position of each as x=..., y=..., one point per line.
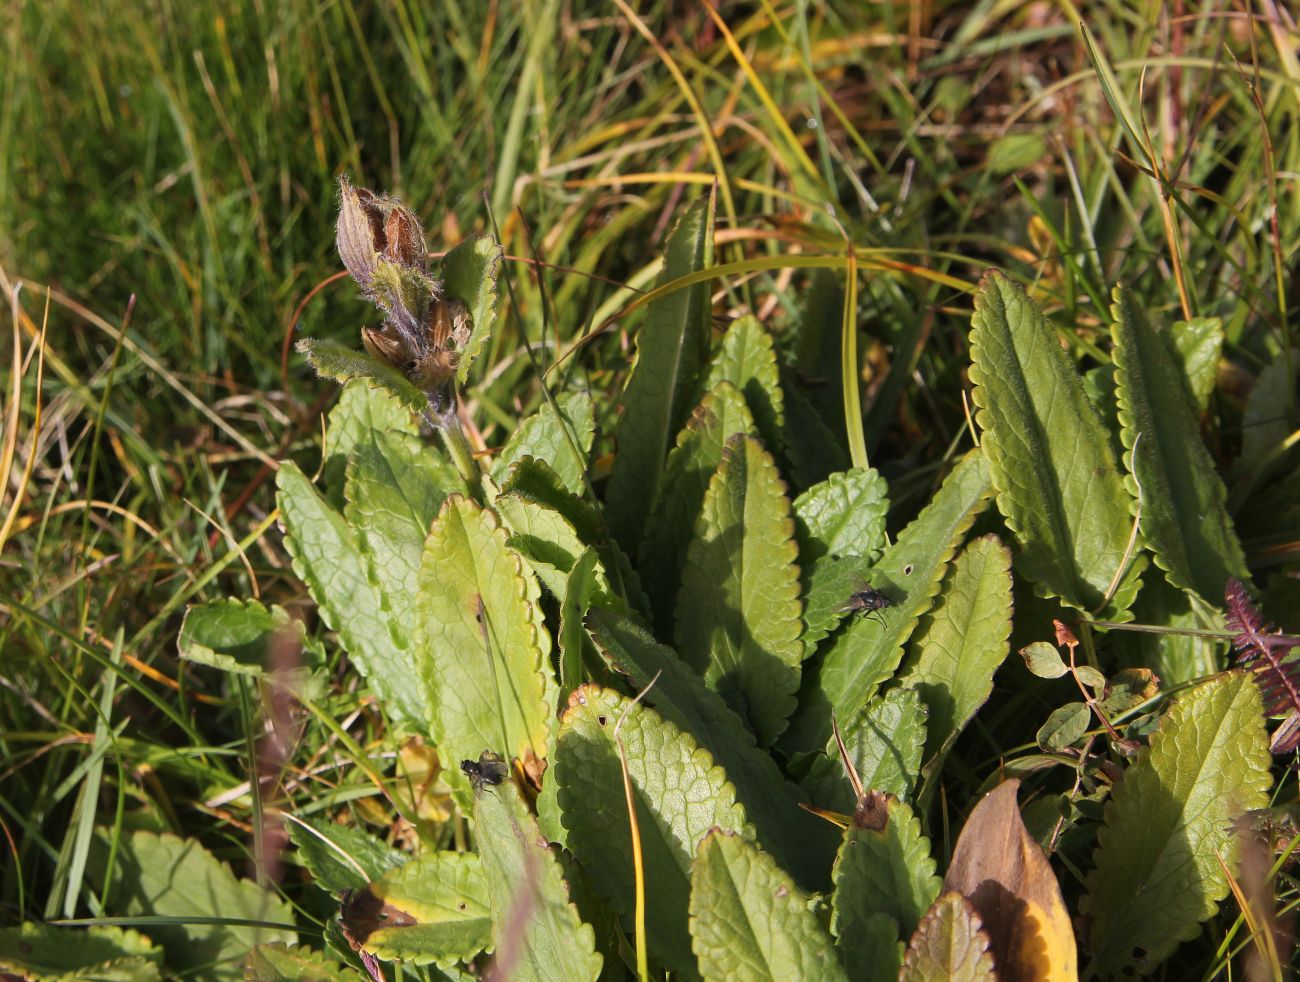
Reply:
x=360, y=234
x=387, y=346
x=449, y=324
x=405, y=237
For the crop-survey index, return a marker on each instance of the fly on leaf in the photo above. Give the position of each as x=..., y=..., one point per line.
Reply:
x=866, y=600
x=489, y=769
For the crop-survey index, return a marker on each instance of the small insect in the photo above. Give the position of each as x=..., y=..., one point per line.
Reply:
x=488, y=770
x=867, y=600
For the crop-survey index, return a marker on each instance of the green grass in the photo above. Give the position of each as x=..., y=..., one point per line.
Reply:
x=186, y=155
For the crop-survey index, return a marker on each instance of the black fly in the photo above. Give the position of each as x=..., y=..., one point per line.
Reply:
x=867, y=600
x=489, y=769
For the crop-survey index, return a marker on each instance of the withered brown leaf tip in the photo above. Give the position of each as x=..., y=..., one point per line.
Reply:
x=381, y=242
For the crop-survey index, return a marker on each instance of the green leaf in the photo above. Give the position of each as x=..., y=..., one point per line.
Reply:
x=949, y=946
x=61, y=954
x=580, y=590
x=542, y=436
x=963, y=641
x=672, y=348
x=536, y=931
x=1065, y=726
x=469, y=274
x=749, y=922
x=868, y=651
x=1057, y=482
x=343, y=364
x=747, y=360
x=534, y=480
x=828, y=583
x=362, y=410
x=813, y=451
x=739, y=616
x=486, y=647
x=1266, y=422
x=341, y=857
x=393, y=495
x=796, y=838
x=1177, y=657
x=1172, y=477
x=886, y=873
x=165, y=876
x=544, y=537
x=326, y=558
x=884, y=742
x=691, y=465
x=1169, y=826
x=1198, y=343
x=1043, y=659
x=843, y=516
x=1016, y=151
x=679, y=794
x=435, y=909
x=285, y=963
x=235, y=635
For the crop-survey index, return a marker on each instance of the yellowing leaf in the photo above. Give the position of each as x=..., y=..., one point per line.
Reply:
x=1002, y=871
x=950, y=946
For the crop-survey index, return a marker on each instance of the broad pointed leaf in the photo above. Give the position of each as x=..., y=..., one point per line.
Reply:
x=680, y=793
x=63, y=954
x=1058, y=485
x=796, y=838
x=342, y=857
x=868, y=651
x=963, y=641
x=536, y=931
x=326, y=558
x=672, y=349
x=1178, y=495
x=362, y=410
x=750, y=923
x=1168, y=832
x=887, y=873
x=747, y=360
x=739, y=616
x=236, y=635
x=393, y=496
x=828, y=583
x=1197, y=344
x=487, y=650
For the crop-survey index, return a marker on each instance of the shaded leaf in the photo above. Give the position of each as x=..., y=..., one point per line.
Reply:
x=62, y=954
x=680, y=793
x=1049, y=455
x=536, y=931
x=881, y=875
x=949, y=946
x=884, y=743
x=469, y=274
x=691, y=465
x=797, y=839
x=487, y=650
x=747, y=360
x=672, y=348
x=964, y=640
x=341, y=857
x=362, y=410
x=293, y=963
x=165, y=876
x=750, y=922
x=1197, y=344
x=828, y=583
x=1065, y=727
x=326, y=558
x=1168, y=826
x=1267, y=420
x=844, y=515
x=1043, y=659
x=1172, y=477
x=235, y=635
x=868, y=651
x=739, y=616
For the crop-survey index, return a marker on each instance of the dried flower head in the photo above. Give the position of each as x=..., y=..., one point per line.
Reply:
x=381, y=243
